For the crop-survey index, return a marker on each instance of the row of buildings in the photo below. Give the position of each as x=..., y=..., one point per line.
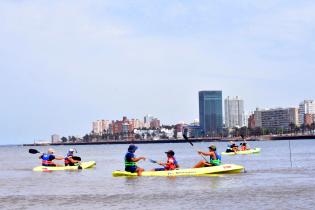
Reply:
x=212, y=121
x=284, y=118
x=211, y=114
x=124, y=126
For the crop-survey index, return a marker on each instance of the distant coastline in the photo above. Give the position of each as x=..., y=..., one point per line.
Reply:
x=258, y=138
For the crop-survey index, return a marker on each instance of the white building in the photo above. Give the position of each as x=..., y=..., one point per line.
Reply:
x=55, y=138
x=306, y=107
x=276, y=118
x=99, y=126
x=234, y=112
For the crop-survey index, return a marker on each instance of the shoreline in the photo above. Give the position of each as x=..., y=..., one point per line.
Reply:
x=166, y=141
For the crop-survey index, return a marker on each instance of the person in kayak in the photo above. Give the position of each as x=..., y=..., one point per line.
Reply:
x=70, y=159
x=215, y=158
x=131, y=160
x=231, y=147
x=47, y=158
x=170, y=164
x=244, y=146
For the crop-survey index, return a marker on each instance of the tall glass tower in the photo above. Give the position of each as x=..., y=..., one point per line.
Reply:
x=210, y=112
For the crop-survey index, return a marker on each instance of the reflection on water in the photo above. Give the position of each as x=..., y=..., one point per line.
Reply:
x=269, y=183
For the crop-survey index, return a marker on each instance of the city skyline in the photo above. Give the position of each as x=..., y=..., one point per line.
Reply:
x=65, y=64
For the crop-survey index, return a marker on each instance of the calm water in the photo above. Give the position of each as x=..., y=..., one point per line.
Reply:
x=269, y=183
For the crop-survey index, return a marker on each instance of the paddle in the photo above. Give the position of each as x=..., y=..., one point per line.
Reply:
x=34, y=151
x=186, y=138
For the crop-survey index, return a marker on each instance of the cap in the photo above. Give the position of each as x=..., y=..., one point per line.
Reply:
x=71, y=150
x=212, y=147
x=170, y=152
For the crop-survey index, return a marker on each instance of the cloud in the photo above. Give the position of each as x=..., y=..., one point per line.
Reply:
x=66, y=63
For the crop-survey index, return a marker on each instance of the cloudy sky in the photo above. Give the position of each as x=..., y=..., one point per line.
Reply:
x=64, y=64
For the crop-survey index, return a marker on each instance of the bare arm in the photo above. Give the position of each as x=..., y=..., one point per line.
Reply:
x=72, y=160
x=204, y=153
x=137, y=159
x=59, y=158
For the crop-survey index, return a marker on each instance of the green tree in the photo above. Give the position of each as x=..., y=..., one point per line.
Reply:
x=64, y=139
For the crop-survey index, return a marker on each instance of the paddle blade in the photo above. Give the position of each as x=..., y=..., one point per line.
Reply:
x=33, y=151
x=186, y=138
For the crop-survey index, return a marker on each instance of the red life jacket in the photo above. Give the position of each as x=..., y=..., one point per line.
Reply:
x=243, y=148
x=171, y=164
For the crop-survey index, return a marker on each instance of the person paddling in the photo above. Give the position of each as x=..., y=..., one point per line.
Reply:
x=215, y=158
x=171, y=163
x=244, y=146
x=69, y=159
x=232, y=147
x=131, y=160
x=47, y=158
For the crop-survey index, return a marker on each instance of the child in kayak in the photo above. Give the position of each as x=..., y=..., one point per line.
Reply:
x=244, y=146
x=171, y=163
x=70, y=159
x=47, y=158
x=215, y=158
x=232, y=147
x=131, y=161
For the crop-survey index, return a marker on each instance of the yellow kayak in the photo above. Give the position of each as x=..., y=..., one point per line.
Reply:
x=246, y=152
x=84, y=165
x=222, y=169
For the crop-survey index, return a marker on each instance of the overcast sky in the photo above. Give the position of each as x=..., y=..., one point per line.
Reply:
x=64, y=64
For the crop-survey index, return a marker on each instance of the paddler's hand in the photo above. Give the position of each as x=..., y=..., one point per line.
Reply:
x=199, y=152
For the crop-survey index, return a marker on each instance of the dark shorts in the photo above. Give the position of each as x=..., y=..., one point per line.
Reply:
x=229, y=150
x=131, y=169
x=50, y=165
x=159, y=169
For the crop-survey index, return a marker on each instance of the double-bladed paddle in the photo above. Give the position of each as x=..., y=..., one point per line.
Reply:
x=186, y=138
x=34, y=151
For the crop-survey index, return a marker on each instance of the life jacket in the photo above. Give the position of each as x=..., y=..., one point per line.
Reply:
x=244, y=148
x=129, y=163
x=67, y=161
x=170, y=164
x=46, y=160
x=217, y=161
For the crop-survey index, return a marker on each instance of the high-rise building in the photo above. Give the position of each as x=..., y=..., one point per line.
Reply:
x=276, y=118
x=210, y=112
x=148, y=118
x=306, y=107
x=234, y=112
x=55, y=138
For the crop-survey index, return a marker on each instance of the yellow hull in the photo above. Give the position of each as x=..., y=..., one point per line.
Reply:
x=84, y=165
x=222, y=169
x=247, y=152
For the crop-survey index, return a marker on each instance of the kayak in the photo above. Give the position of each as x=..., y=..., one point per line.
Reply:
x=84, y=165
x=246, y=152
x=222, y=169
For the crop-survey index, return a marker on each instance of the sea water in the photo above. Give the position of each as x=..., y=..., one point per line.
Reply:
x=269, y=181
